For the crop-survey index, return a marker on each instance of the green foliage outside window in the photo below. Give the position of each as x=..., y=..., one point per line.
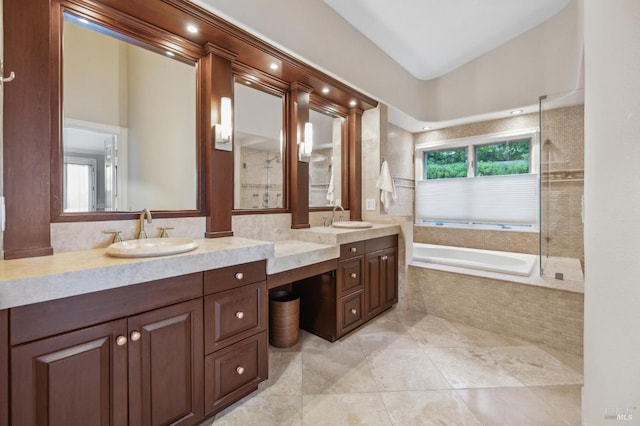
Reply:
x=450, y=163
x=505, y=158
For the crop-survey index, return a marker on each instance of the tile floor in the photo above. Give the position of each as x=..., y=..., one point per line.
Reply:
x=409, y=368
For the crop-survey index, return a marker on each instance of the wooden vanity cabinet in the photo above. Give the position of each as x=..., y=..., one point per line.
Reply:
x=235, y=333
x=120, y=360
x=4, y=367
x=381, y=275
x=364, y=285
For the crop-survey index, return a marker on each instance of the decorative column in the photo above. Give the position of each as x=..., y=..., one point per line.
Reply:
x=299, y=178
x=217, y=83
x=354, y=137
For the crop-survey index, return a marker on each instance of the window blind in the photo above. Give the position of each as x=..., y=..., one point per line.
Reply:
x=499, y=199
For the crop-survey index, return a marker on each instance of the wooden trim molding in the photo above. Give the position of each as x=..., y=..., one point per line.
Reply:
x=288, y=277
x=299, y=175
x=4, y=368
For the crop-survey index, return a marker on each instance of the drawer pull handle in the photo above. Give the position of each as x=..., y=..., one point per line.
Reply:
x=135, y=336
x=353, y=249
x=239, y=314
x=240, y=370
x=121, y=340
x=385, y=257
x=353, y=311
x=239, y=275
x=354, y=275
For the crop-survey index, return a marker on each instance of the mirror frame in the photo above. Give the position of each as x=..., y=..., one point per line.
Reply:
x=324, y=106
x=141, y=34
x=280, y=88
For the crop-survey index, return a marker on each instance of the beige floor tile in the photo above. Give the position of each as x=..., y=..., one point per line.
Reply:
x=572, y=360
x=509, y=407
x=471, y=368
x=263, y=411
x=533, y=366
x=434, y=332
x=348, y=409
x=483, y=338
x=383, y=334
x=285, y=374
x=340, y=368
x=565, y=400
x=426, y=408
x=405, y=369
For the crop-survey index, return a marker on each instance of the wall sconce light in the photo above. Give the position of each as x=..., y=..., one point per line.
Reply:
x=305, y=147
x=224, y=130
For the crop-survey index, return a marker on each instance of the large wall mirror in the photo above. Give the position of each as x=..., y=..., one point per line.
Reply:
x=129, y=124
x=258, y=115
x=325, y=166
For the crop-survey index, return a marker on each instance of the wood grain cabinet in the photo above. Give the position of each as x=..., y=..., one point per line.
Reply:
x=364, y=285
x=235, y=330
x=140, y=369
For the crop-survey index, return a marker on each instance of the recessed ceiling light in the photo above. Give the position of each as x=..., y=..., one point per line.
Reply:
x=192, y=29
x=325, y=90
x=353, y=103
x=170, y=54
x=248, y=83
x=274, y=66
x=426, y=128
x=517, y=111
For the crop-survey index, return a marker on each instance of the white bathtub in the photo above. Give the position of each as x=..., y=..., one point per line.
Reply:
x=485, y=260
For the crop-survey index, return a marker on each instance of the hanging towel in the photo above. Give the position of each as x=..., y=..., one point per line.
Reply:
x=386, y=186
x=330, y=190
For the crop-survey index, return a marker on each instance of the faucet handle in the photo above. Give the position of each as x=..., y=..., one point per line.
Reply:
x=163, y=233
x=116, y=235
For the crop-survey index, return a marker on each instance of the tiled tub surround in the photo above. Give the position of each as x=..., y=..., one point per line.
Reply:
x=540, y=314
x=509, y=240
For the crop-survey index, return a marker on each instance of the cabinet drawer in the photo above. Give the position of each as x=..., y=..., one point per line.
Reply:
x=234, y=371
x=232, y=315
x=350, y=312
x=230, y=277
x=351, y=250
x=350, y=276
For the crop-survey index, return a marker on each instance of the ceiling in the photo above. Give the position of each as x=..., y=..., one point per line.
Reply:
x=430, y=38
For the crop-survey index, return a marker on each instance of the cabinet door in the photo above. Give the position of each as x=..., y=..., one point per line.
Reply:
x=166, y=366
x=76, y=378
x=374, y=283
x=389, y=284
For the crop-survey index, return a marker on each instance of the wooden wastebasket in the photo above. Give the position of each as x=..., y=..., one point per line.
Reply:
x=284, y=317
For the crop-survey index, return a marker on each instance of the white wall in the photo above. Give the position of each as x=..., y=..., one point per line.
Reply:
x=612, y=203
x=545, y=60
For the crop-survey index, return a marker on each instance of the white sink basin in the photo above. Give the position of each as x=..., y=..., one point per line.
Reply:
x=150, y=247
x=353, y=224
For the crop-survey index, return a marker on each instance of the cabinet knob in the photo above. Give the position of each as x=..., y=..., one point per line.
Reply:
x=239, y=275
x=240, y=370
x=385, y=257
x=354, y=275
x=121, y=340
x=239, y=314
x=353, y=249
x=353, y=311
x=135, y=336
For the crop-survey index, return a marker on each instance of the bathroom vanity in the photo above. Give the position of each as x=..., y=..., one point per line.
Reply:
x=86, y=338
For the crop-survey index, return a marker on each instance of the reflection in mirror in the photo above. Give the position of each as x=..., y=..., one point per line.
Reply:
x=257, y=130
x=129, y=129
x=325, y=184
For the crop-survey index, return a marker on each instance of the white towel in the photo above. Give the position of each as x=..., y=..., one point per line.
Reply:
x=330, y=190
x=387, y=187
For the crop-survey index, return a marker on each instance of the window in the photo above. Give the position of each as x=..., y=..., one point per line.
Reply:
x=503, y=158
x=496, y=181
x=447, y=163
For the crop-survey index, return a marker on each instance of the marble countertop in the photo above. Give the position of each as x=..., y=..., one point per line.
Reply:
x=338, y=236
x=291, y=254
x=38, y=279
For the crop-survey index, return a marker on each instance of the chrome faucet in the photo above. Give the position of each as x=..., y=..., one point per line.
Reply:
x=145, y=213
x=333, y=214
